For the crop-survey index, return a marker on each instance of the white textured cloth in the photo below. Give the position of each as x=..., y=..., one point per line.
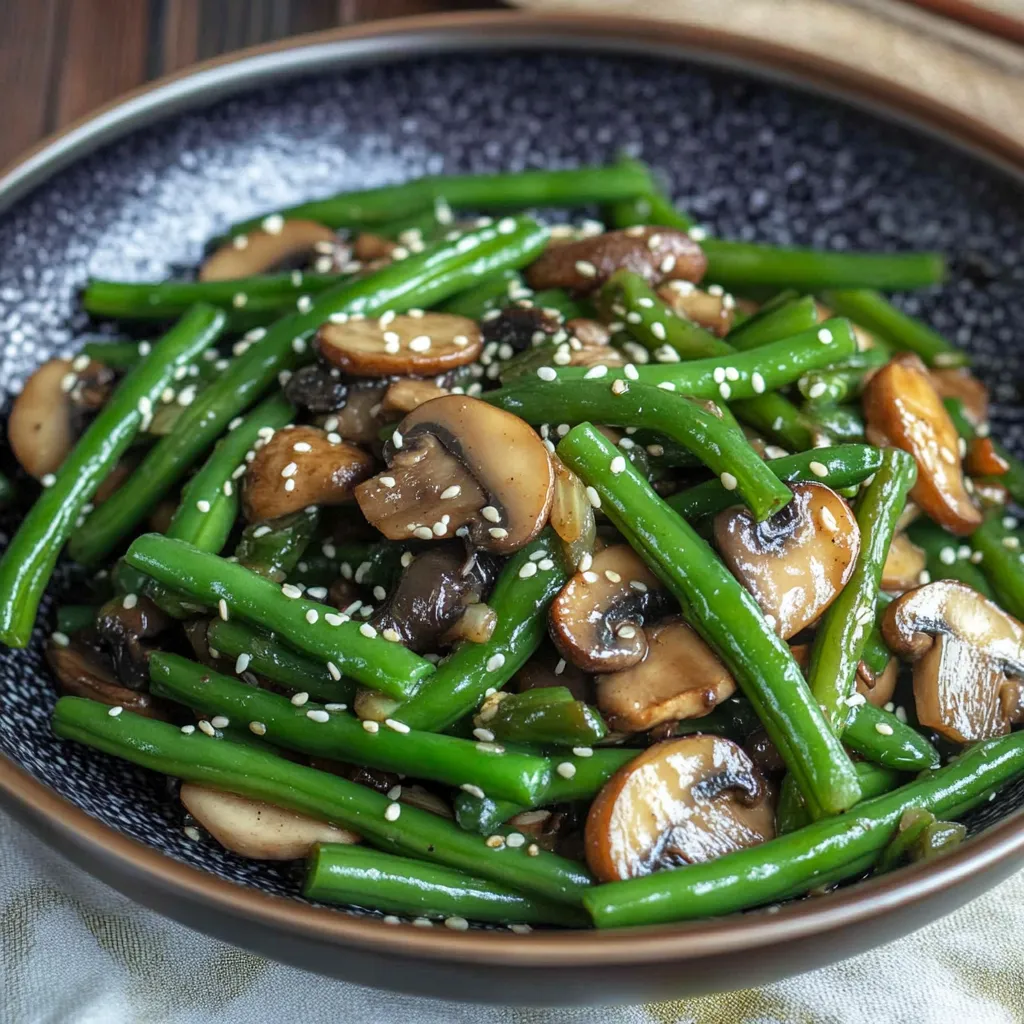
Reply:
x=76, y=952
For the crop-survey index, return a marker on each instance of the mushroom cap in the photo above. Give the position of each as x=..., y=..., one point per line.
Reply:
x=878, y=689
x=258, y=830
x=713, y=310
x=966, y=650
x=410, y=393
x=496, y=461
x=904, y=563
x=320, y=472
x=404, y=345
x=45, y=418
x=679, y=802
x=795, y=563
x=263, y=250
x=596, y=620
x=903, y=409
x=960, y=383
x=655, y=253
x=679, y=677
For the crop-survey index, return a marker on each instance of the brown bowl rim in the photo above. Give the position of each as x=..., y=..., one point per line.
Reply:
x=47, y=812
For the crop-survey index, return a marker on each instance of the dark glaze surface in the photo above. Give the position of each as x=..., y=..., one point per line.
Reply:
x=751, y=160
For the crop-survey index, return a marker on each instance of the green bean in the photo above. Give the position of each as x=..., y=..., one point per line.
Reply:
x=740, y=266
x=486, y=815
x=28, y=562
x=875, y=314
x=744, y=375
x=318, y=629
x=726, y=617
x=876, y=654
x=74, y=617
x=774, y=416
x=921, y=836
x=1001, y=559
x=838, y=467
x=464, y=677
x=423, y=279
x=791, y=813
x=354, y=876
x=650, y=208
x=338, y=734
x=265, y=655
x=843, y=422
x=881, y=737
x=829, y=850
x=247, y=301
x=545, y=715
x=775, y=322
x=841, y=383
x=274, y=549
x=263, y=776
x=490, y=293
x=721, y=447
x=116, y=354
x=424, y=223
x=1013, y=478
x=843, y=632
x=949, y=557
x=514, y=190
x=563, y=303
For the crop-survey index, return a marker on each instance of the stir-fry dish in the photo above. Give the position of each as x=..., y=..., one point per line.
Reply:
x=590, y=573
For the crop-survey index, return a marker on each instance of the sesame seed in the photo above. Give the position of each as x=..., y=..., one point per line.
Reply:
x=422, y=922
x=203, y=505
x=257, y=728
x=855, y=700
x=192, y=833
x=655, y=450
x=456, y=923
x=393, y=811
x=273, y=224
x=242, y=663
x=449, y=492
x=423, y=533
x=304, y=304
x=371, y=726
x=317, y=593
x=515, y=840
x=188, y=729
x=379, y=593
x=239, y=299
x=757, y=383
x=585, y=562
x=817, y=389
x=396, y=439
x=593, y=497
x=60, y=639
x=367, y=630
x=818, y=469
x=498, y=532
x=923, y=577
x=391, y=635
x=205, y=727
x=290, y=590
x=595, y=372
x=494, y=842
x=115, y=711
x=724, y=390
x=130, y=601
x=300, y=698
x=729, y=482
x=495, y=662
x=590, y=577
x=318, y=715
x=884, y=728
x=631, y=371
x=485, y=735
x=545, y=564
x=468, y=787
x=618, y=465
x=626, y=632
x=566, y=769
x=658, y=330
x=289, y=485
x=546, y=373
x=220, y=722
x=529, y=569
x=586, y=268
x=1012, y=543
x=947, y=556
x=421, y=343
x=491, y=514
x=829, y=520
x=396, y=726
x=825, y=336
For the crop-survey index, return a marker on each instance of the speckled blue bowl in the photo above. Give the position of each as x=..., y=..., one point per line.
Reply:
x=752, y=160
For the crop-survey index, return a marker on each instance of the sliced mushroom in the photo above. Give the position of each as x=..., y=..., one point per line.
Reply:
x=258, y=830
x=371, y=248
x=361, y=417
x=966, y=651
x=713, y=309
x=597, y=619
x=961, y=383
x=903, y=565
x=458, y=462
x=84, y=672
x=404, y=345
x=318, y=388
x=299, y=467
x=52, y=409
x=656, y=254
x=795, y=563
x=432, y=594
x=902, y=409
x=278, y=245
x=409, y=393
x=123, y=625
x=547, y=667
x=983, y=459
x=520, y=328
x=878, y=689
x=475, y=625
x=680, y=802
x=679, y=677
x=588, y=344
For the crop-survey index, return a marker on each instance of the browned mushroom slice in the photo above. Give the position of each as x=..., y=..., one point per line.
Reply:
x=712, y=309
x=299, y=467
x=679, y=677
x=458, y=462
x=84, y=672
x=680, y=802
x=656, y=254
x=878, y=689
x=431, y=595
x=572, y=514
x=404, y=345
x=966, y=651
x=983, y=459
x=51, y=411
x=360, y=418
x=795, y=563
x=902, y=409
x=903, y=565
x=408, y=393
x=124, y=625
x=588, y=344
x=278, y=245
x=597, y=619
x=258, y=830
x=962, y=384
x=547, y=667
x=369, y=248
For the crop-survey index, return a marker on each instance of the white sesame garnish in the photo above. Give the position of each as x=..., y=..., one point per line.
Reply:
x=257, y=728
x=312, y=616
x=566, y=769
x=593, y=497
x=484, y=735
x=300, y=698
x=130, y=601
x=468, y=787
x=586, y=268
x=818, y=469
x=546, y=373
x=220, y=722
x=204, y=726
x=495, y=661
x=421, y=343
x=396, y=439
x=396, y=726
x=242, y=663
x=667, y=385
x=631, y=371
x=491, y=514
x=825, y=336
x=289, y=485
x=1011, y=543
x=729, y=482
x=757, y=383
x=947, y=556
x=60, y=639
x=423, y=533
x=188, y=729
x=498, y=532
x=528, y=570
x=273, y=224
x=318, y=715
x=367, y=630
x=585, y=562
x=817, y=389
x=618, y=465
x=449, y=492
x=494, y=842
x=393, y=811
x=658, y=330
x=115, y=711
x=290, y=590
x=884, y=728
x=596, y=372
x=626, y=632
x=239, y=299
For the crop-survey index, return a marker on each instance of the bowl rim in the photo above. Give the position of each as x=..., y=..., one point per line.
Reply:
x=83, y=838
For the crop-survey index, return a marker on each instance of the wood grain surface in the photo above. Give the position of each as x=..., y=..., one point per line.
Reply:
x=60, y=59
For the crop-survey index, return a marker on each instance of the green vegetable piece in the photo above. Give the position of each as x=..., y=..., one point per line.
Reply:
x=273, y=549
x=791, y=813
x=726, y=617
x=882, y=738
x=546, y=715
x=949, y=557
x=1001, y=559
x=71, y=618
x=775, y=322
x=28, y=562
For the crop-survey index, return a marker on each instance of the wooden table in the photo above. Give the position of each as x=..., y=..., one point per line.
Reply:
x=60, y=59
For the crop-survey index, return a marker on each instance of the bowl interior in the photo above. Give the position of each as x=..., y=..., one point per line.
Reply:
x=751, y=160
